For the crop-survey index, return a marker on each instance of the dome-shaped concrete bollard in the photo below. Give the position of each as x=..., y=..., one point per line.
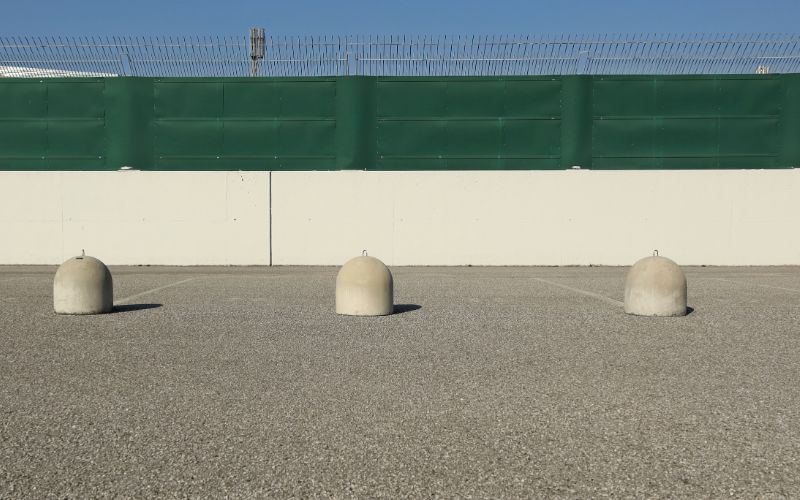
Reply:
x=83, y=285
x=655, y=286
x=364, y=287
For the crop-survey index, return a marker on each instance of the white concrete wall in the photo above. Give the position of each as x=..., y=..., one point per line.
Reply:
x=179, y=218
x=716, y=217
x=738, y=217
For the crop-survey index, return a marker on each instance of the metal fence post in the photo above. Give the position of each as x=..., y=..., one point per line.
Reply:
x=356, y=122
x=576, y=121
x=789, y=154
x=129, y=123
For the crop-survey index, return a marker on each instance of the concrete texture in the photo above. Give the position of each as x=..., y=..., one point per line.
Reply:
x=487, y=382
x=655, y=286
x=175, y=218
x=572, y=217
x=364, y=288
x=83, y=285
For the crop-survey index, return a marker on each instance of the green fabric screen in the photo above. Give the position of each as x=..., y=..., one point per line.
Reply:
x=393, y=123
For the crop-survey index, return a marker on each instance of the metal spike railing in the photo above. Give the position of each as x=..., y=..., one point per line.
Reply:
x=391, y=55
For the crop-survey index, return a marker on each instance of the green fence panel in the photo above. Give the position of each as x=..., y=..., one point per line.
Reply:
x=245, y=123
x=468, y=123
x=687, y=122
x=56, y=124
x=396, y=123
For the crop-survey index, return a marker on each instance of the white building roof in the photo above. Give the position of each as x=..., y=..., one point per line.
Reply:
x=25, y=72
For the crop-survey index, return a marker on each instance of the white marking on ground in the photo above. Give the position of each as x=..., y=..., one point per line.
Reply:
x=137, y=295
x=582, y=292
x=756, y=284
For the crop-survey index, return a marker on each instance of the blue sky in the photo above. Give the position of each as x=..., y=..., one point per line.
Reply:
x=214, y=17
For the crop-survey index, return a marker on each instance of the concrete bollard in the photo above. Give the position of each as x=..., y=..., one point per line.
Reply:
x=655, y=286
x=364, y=287
x=83, y=285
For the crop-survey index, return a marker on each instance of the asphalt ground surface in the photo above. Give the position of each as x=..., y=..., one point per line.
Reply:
x=487, y=382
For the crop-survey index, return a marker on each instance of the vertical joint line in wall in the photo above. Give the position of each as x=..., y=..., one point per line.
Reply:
x=270, y=216
x=394, y=220
x=61, y=204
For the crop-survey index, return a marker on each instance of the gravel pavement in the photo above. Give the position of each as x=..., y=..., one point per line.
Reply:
x=487, y=382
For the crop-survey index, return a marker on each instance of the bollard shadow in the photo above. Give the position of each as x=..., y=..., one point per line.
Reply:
x=133, y=307
x=404, y=308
